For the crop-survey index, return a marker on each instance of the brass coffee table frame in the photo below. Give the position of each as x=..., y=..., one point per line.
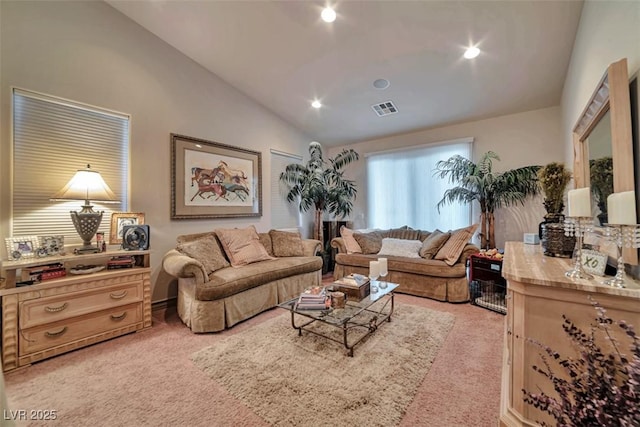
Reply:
x=347, y=319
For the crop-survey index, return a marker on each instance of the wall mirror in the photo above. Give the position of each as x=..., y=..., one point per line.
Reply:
x=602, y=131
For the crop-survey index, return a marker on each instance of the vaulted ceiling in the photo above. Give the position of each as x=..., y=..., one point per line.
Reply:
x=281, y=54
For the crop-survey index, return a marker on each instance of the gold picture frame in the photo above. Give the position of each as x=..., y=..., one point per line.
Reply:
x=213, y=180
x=119, y=220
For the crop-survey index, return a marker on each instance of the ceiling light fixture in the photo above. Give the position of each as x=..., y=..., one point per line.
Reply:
x=316, y=104
x=381, y=83
x=471, y=52
x=328, y=14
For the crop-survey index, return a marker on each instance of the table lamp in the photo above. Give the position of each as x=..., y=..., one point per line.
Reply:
x=86, y=185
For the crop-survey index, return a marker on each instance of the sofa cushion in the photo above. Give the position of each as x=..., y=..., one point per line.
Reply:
x=452, y=249
x=400, y=247
x=286, y=243
x=207, y=250
x=349, y=242
x=370, y=242
x=242, y=245
x=432, y=244
x=265, y=240
x=403, y=233
x=230, y=281
x=425, y=267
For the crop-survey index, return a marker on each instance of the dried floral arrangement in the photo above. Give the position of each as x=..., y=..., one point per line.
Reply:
x=597, y=389
x=553, y=179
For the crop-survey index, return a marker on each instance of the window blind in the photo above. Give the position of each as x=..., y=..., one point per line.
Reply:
x=283, y=213
x=52, y=139
x=401, y=188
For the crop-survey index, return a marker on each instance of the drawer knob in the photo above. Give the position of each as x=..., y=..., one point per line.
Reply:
x=118, y=296
x=55, y=334
x=56, y=309
x=120, y=317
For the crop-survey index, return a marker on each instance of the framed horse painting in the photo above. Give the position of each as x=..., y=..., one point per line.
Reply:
x=213, y=180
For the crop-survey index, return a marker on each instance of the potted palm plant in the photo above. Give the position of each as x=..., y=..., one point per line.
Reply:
x=320, y=185
x=492, y=190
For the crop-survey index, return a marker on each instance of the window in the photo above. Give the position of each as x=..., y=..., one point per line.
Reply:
x=401, y=188
x=283, y=214
x=52, y=139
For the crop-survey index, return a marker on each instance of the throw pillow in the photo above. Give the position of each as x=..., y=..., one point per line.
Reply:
x=451, y=251
x=400, y=247
x=432, y=244
x=265, y=239
x=242, y=245
x=205, y=249
x=286, y=243
x=370, y=243
x=349, y=242
x=403, y=233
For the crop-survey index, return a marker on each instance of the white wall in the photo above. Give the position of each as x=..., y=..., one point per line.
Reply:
x=91, y=53
x=530, y=138
x=608, y=31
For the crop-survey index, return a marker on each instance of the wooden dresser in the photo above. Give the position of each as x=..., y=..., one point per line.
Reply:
x=66, y=313
x=538, y=294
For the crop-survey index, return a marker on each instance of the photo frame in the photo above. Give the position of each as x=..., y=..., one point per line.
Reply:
x=213, y=180
x=594, y=262
x=21, y=247
x=135, y=237
x=121, y=219
x=50, y=245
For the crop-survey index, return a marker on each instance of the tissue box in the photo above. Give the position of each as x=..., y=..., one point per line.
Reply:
x=531, y=238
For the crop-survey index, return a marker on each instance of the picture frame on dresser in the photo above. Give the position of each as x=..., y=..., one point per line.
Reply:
x=121, y=219
x=21, y=247
x=214, y=180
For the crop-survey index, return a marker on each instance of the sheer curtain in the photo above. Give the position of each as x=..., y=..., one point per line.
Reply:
x=401, y=188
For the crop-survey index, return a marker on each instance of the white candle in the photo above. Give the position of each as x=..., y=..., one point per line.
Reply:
x=580, y=202
x=383, y=266
x=622, y=208
x=374, y=270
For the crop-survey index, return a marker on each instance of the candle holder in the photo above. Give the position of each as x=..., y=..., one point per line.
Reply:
x=624, y=235
x=578, y=226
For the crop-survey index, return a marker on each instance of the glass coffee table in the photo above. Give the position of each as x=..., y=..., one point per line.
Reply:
x=357, y=320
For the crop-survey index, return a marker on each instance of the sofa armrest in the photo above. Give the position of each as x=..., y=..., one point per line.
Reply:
x=467, y=251
x=338, y=243
x=311, y=247
x=180, y=265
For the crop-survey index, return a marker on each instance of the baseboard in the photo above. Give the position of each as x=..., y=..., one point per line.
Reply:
x=164, y=304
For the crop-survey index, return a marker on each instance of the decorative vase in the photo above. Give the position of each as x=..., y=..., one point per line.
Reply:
x=554, y=242
x=550, y=218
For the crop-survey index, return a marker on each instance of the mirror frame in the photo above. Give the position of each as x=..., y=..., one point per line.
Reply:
x=611, y=94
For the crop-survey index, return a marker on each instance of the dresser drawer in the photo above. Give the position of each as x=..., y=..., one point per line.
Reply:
x=49, y=336
x=42, y=311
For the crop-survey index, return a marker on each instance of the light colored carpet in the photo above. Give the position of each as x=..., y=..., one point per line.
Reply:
x=269, y=367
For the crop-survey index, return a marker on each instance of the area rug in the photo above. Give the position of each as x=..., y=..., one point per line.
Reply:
x=310, y=381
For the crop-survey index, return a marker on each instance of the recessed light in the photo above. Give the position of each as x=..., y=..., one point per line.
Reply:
x=316, y=104
x=471, y=52
x=328, y=14
x=381, y=83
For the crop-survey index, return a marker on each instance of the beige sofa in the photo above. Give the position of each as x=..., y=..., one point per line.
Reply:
x=210, y=301
x=424, y=277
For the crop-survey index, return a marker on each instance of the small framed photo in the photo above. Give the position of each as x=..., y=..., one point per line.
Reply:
x=135, y=237
x=19, y=247
x=594, y=262
x=50, y=245
x=121, y=219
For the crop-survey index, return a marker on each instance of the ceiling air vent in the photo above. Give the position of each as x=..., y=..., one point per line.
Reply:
x=385, y=108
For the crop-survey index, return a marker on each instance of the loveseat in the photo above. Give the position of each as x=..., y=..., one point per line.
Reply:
x=428, y=264
x=226, y=276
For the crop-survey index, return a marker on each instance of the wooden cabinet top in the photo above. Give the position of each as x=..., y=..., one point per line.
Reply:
x=527, y=264
x=69, y=257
